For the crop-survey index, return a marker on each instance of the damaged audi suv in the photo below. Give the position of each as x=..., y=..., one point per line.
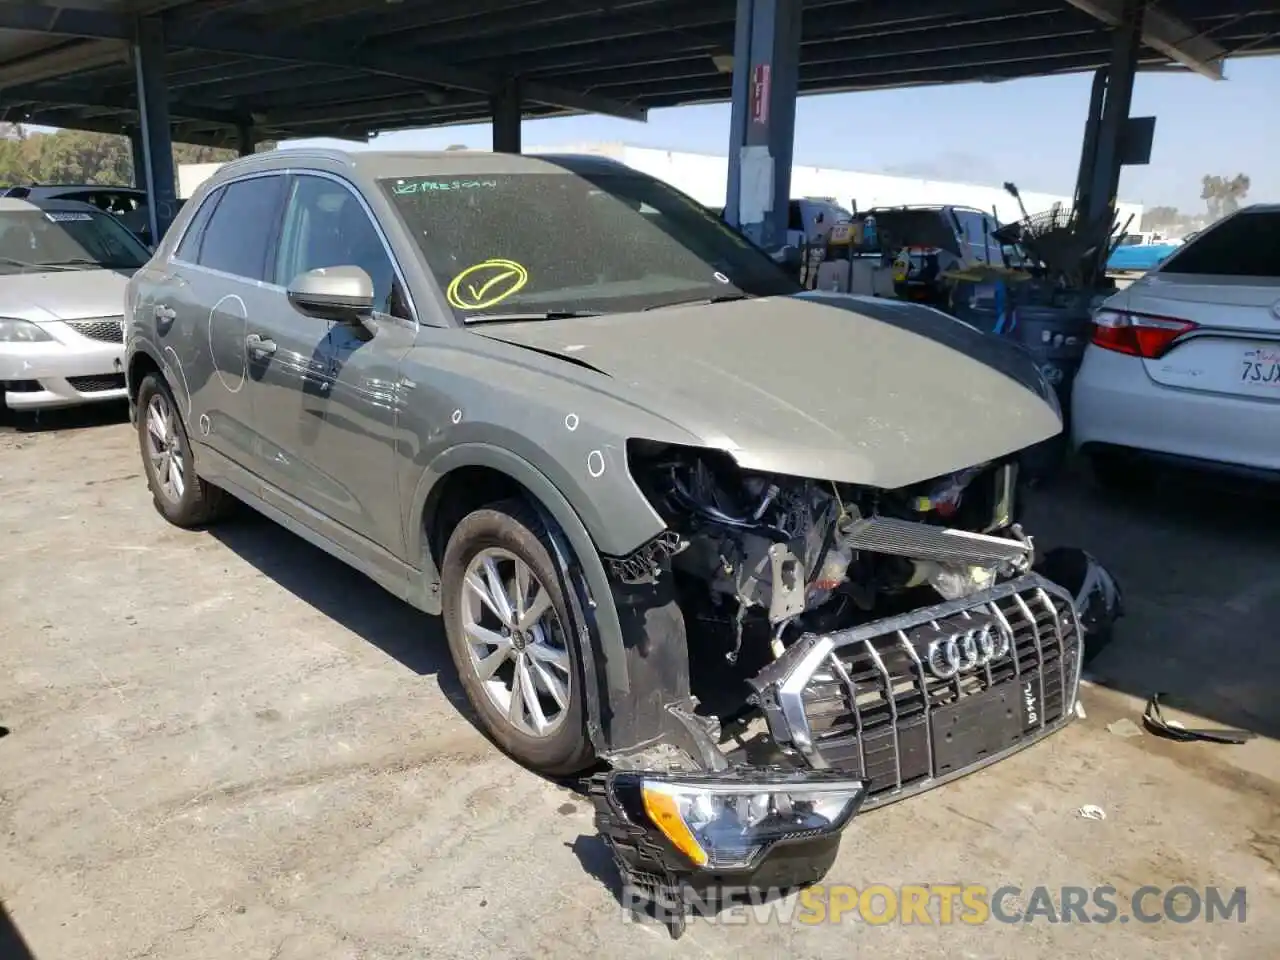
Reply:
x=758, y=549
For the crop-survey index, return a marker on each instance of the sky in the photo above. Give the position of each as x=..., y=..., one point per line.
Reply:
x=1028, y=131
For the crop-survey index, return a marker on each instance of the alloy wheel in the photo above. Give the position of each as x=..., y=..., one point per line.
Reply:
x=164, y=449
x=516, y=642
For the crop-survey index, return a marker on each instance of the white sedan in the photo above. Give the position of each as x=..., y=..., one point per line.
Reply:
x=1184, y=364
x=63, y=270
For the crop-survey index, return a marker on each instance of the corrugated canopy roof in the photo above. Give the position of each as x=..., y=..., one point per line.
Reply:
x=349, y=67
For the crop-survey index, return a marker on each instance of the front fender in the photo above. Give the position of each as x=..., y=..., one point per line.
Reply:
x=609, y=634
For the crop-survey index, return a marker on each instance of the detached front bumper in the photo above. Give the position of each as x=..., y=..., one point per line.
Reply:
x=879, y=712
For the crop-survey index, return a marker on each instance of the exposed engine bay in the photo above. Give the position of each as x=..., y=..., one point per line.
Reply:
x=847, y=646
x=763, y=559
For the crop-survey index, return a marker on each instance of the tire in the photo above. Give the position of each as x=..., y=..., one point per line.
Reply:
x=192, y=502
x=510, y=534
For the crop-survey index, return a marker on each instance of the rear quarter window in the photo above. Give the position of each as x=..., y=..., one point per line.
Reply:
x=1244, y=245
x=189, y=245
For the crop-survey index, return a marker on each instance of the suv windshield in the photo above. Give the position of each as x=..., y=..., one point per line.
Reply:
x=66, y=240
x=529, y=245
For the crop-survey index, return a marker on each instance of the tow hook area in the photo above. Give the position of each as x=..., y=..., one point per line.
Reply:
x=681, y=839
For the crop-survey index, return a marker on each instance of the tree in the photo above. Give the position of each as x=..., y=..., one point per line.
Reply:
x=1223, y=195
x=1158, y=217
x=75, y=156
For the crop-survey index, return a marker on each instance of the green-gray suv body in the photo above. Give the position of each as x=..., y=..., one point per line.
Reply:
x=658, y=493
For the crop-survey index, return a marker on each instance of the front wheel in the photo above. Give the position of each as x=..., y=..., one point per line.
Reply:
x=180, y=496
x=510, y=628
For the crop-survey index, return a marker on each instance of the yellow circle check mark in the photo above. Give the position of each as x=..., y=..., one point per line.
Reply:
x=486, y=284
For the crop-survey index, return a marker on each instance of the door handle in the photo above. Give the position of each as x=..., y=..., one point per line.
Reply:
x=165, y=313
x=259, y=346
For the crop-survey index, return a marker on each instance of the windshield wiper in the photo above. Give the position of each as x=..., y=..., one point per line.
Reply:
x=544, y=315
x=73, y=262
x=26, y=265
x=722, y=298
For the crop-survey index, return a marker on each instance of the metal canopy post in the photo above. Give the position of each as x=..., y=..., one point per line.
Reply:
x=506, y=110
x=246, y=140
x=766, y=75
x=153, y=116
x=1104, y=182
x=139, y=160
x=1089, y=150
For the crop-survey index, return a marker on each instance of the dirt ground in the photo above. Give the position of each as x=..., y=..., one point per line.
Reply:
x=227, y=745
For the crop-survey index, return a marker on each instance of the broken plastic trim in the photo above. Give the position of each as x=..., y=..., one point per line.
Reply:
x=1154, y=719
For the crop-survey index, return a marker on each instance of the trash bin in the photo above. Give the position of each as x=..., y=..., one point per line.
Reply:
x=1056, y=336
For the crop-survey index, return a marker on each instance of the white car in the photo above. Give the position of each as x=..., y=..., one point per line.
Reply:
x=1184, y=364
x=63, y=270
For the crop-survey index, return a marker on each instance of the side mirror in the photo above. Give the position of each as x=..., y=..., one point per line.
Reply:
x=333, y=293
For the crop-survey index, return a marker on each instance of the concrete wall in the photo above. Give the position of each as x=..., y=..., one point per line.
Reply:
x=705, y=177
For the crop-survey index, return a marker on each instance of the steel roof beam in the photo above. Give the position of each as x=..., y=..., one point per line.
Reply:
x=71, y=120
x=712, y=25
x=969, y=37
x=412, y=67
x=83, y=96
x=1163, y=32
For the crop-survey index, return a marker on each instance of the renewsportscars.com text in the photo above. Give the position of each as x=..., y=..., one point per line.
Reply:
x=944, y=904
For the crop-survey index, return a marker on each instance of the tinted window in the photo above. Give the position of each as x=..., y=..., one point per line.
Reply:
x=239, y=232
x=1245, y=245
x=79, y=239
x=325, y=225
x=189, y=248
x=602, y=242
x=795, y=216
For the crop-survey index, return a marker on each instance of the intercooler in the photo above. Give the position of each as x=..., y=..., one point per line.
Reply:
x=884, y=700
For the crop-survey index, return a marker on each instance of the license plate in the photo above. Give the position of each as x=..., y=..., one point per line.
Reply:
x=1260, y=368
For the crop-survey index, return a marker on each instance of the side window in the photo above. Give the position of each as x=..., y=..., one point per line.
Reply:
x=189, y=247
x=326, y=225
x=239, y=231
x=1245, y=244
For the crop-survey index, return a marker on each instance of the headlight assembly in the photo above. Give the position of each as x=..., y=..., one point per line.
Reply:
x=727, y=822
x=21, y=331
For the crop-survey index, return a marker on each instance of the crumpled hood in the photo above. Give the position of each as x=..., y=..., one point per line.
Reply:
x=63, y=294
x=830, y=386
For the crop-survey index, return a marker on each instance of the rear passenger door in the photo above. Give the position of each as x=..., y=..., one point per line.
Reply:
x=204, y=310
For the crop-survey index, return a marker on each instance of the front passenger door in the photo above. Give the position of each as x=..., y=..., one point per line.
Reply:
x=328, y=392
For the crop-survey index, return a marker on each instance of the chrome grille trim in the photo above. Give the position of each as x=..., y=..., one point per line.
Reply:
x=803, y=693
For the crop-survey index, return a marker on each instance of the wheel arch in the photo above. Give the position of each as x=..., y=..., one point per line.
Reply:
x=468, y=476
x=141, y=362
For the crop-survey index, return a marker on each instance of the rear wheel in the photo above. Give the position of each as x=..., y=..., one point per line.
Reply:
x=510, y=629
x=179, y=494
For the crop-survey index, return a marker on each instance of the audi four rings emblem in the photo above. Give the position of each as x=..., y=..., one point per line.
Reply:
x=967, y=650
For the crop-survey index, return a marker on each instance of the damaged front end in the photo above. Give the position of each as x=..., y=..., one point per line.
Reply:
x=848, y=646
